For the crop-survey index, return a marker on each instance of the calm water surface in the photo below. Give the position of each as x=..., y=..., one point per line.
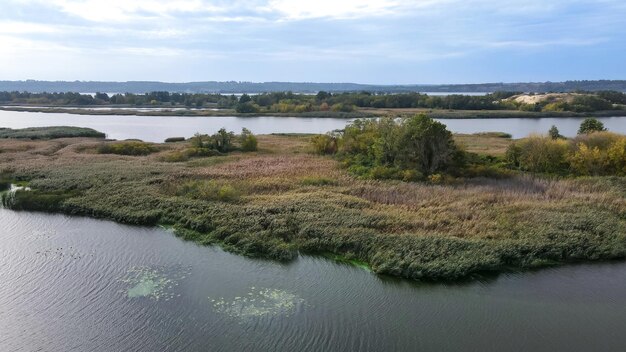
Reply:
x=157, y=128
x=78, y=284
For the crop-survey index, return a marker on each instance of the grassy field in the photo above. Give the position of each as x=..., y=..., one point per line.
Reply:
x=283, y=200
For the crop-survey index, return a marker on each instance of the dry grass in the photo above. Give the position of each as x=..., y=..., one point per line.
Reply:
x=483, y=144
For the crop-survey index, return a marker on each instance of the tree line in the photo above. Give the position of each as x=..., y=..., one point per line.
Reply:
x=288, y=102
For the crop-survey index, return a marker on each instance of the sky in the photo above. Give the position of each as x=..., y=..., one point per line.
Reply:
x=361, y=41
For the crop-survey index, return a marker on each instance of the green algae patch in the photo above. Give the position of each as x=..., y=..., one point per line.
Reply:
x=258, y=303
x=146, y=287
x=154, y=283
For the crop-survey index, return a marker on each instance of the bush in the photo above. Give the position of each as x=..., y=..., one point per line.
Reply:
x=600, y=153
x=616, y=155
x=325, y=144
x=127, y=148
x=174, y=139
x=388, y=147
x=342, y=107
x=588, y=161
x=222, y=141
x=248, y=141
x=558, y=106
x=602, y=140
x=539, y=154
x=590, y=125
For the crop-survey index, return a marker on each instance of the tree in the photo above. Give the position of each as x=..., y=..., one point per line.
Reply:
x=321, y=95
x=244, y=99
x=554, y=133
x=102, y=96
x=386, y=147
x=425, y=145
x=590, y=125
x=223, y=140
x=247, y=107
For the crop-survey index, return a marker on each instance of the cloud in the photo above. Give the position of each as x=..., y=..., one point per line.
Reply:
x=16, y=27
x=307, y=9
x=399, y=37
x=125, y=10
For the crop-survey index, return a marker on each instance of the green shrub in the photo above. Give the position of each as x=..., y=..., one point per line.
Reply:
x=590, y=125
x=174, y=139
x=539, y=154
x=325, y=144
x=248, y=141
x=389, y=147
x=222, y=141
x=127, y=148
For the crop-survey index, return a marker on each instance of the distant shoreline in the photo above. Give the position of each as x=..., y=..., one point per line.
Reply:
x=360, y=113
x=140, y=87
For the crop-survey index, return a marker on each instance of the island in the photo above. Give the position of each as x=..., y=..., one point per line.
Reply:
x=400, y=197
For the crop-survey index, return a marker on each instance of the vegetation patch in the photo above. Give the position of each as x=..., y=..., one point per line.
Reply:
x=319, y=181
x=593, y=152
x=208, y=190
x=134, y=148
x=284, y=200
x=49, y=132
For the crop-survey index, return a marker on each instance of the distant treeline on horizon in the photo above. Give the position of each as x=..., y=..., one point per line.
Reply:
x=340, y=102
x=140, y=87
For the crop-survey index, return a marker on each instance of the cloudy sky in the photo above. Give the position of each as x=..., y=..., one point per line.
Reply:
x=363, y=41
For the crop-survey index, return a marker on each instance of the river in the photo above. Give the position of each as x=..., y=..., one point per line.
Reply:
x=157, y=128
x=80, y=284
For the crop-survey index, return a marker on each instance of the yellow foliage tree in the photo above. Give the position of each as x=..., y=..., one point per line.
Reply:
x=588, y=161
x=617, y=156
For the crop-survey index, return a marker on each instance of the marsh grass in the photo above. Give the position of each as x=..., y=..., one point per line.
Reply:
x=280, y=201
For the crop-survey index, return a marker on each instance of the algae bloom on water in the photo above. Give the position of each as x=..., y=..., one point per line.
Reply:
x=258, y=302
x=155, y=283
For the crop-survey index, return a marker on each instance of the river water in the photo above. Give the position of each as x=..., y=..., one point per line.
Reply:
x=79, y=284
x=158, y=128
